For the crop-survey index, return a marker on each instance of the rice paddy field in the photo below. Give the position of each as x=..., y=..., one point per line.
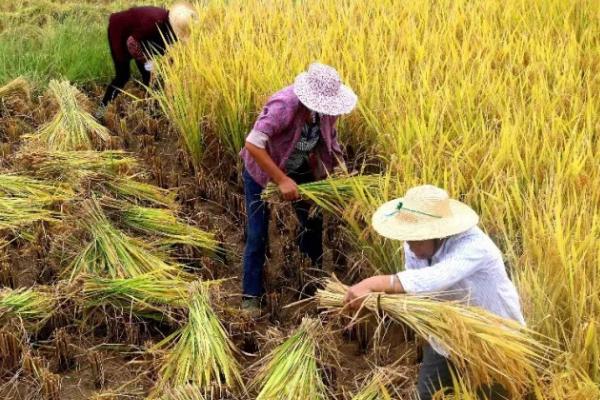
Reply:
x=121, y=239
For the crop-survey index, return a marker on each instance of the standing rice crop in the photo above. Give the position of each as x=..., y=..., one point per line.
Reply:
x=488, y=349
x=292, y=370
x=71, y=127
x=200, y=353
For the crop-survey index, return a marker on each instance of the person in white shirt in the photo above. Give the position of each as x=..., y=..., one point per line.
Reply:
x=445, y=251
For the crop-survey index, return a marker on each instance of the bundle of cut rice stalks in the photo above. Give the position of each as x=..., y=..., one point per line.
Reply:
x=146, y=291
x=25, y=187
x=292, y=370
x=111, y=253
x=386, y=382
x=71, y=127
x=74, y=166
x=333, y=193
x=485, y=348
x=17, y=212
x=32, y=306
x=200, y=353
x=16, y=86
x=187, y=392
x=163, y=222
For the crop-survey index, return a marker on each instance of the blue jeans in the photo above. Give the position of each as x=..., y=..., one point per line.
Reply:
x=310, y=237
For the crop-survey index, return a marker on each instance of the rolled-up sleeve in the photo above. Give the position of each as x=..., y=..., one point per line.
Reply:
x=456, y=266
x=275, y=117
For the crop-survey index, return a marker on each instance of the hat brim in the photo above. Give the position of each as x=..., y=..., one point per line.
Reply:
x=388, y=223
x=342, y=103
x=180, y=16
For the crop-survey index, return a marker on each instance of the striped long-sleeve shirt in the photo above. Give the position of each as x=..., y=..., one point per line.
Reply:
x=468, y=266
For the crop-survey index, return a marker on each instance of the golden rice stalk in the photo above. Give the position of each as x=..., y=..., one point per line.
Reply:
x=27, y=304
x=17, y=212
x=146, y=291
x=73, y=166
x=333, y=193
x=486, y=348
x=163, y=222
x=17, y=85
x=71, y=127
x=129, y=189
x=111, y=253
x=200, y=353
x=292, y=370
x=186, y=392
x=384, y=382
x=26, y=187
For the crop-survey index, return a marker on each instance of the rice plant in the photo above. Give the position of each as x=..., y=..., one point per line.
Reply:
x=200, y=353
x=384, y=383
x=32, y=305
x=72, y=127
x=163, y=222
x=129, y=189
x=292, y=369
x=488, y=349
x=113, y=254
x=186, y=392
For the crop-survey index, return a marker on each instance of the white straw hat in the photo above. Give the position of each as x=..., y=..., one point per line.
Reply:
x=321, y=90
x=181, y=16
x=425, y=212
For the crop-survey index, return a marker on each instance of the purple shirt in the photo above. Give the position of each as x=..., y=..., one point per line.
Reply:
x=282, y=119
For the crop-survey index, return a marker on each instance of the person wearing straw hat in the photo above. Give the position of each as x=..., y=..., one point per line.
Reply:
x=136, y=33
x=445, y=251
x=293, y=141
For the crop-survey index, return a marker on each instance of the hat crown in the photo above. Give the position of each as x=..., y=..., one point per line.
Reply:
x=428, y=199
x=324, y=80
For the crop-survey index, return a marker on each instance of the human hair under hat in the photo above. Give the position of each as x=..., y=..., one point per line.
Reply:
x=293, y=141
x=445, y=255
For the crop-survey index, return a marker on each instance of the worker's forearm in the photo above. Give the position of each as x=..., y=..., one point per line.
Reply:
x=266, y=163
x=389, y=284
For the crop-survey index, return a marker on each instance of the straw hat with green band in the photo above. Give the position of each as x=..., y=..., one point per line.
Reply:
x=425, y=212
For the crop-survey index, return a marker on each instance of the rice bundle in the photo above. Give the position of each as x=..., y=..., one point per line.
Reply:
x=129, y=189
x=333, y=192
x=187, y=392
x=26, y=187
x=384, y=382
x=29, y=305
x=292, y=371
x=164, y=223
x=486, y=348
x=74, y=166
x=17, y=212
x=70, y=129
x=111, y=253
x=17, y=85
x=202, y=355
x=147, y=291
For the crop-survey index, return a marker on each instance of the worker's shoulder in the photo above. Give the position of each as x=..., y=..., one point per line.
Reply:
x=284, y=98
x=475, y=241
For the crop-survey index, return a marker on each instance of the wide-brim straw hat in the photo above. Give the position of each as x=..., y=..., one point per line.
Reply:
x=425, y=212
x=181, y=16
x=320, y=89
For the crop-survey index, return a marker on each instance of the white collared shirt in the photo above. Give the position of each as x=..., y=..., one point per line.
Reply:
x=470, y=267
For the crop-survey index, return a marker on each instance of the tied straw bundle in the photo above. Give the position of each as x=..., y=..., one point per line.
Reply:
x=292, y=370
x=486, y=348
x=202, y=354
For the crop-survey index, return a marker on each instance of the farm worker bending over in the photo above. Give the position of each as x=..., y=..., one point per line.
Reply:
x=444, y=251
x=134, y=33
x=293, y=141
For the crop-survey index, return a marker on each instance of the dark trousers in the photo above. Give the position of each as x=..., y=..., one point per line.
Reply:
x=309, y=239
x=435, y=374
x=121, y=60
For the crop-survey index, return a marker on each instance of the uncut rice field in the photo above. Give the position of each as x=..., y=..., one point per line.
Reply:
x=121, y=239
